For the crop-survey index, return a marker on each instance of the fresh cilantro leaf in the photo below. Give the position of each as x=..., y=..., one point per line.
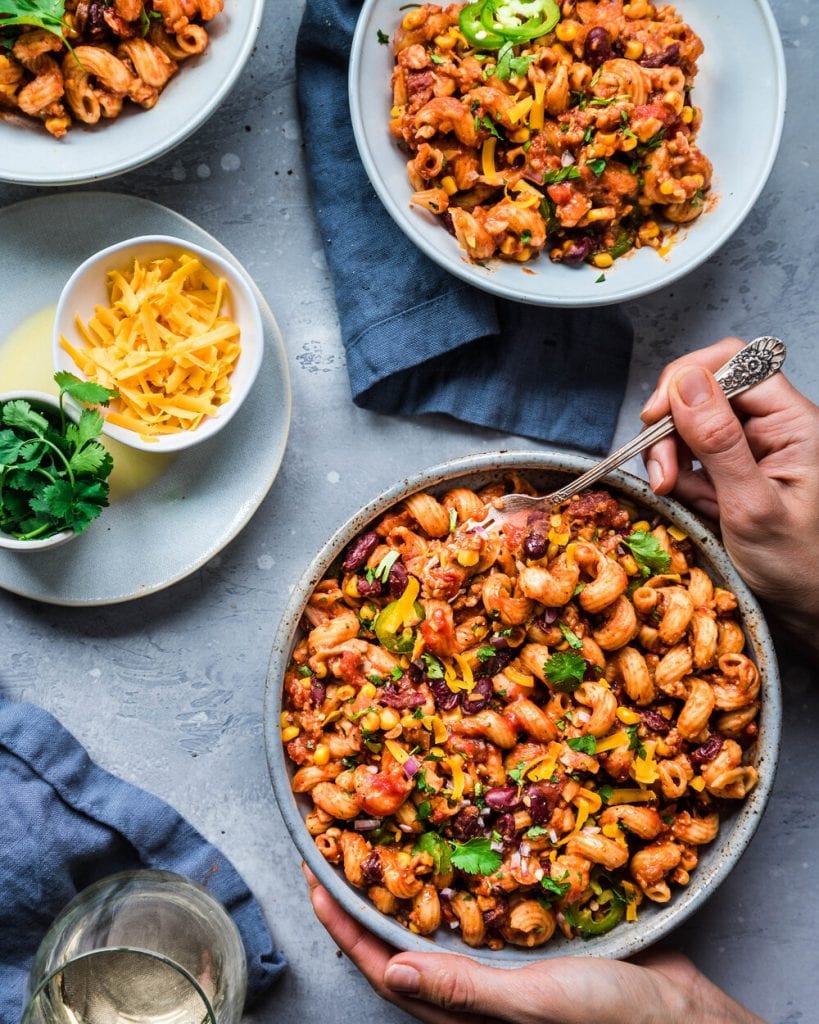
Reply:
x=565, y=671
x=516, y=774
x=424, y=810
x=382, y=37
x=571, y=638
x=600, y=280
x=605, y=793
x=435, y=670
x=384, y=567
x=396, y=673
x=437, y=58
x=487, y=123
x=561, y=724
x=19, y=414
x=634, y=741
x=564, y=174
x=90, y=460
x=438, y=848
x=45, y=14
x=583, y=744
x=526, y=236
x=10, y=445
x=485, y=653
x=421, y=783
x=453, y=519
x=648, y=552
x=305, y=671
x=559, y=889
x=535, y=831
x=418, y=713
x=578, y=589
x=596, y=166
x=476, y=857
x=349, y=762
x=83, y=390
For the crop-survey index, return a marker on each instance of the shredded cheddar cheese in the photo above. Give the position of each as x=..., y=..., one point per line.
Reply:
x=163, y=344
x=617, y=739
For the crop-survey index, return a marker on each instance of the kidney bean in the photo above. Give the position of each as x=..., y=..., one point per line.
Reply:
x=503, y=798
x=401, y=696
x=369, y=588
x=578, y=251
x=505, y=827
x=535, y=545
x=398, y=579
x=708, y=751
x=372, y=869
x=540, y=798
x=656, y=722
x=447, y=221
x=479, y=698
x=670, y=55
x=445, y=699
x=496, y=916
x=467, y=824
x=317, y=692
x=597, y=48
x=359, y=551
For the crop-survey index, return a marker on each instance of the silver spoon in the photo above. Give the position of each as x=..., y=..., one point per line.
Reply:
x=759, y=360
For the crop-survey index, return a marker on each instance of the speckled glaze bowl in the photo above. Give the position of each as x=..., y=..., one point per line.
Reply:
x=547, y=470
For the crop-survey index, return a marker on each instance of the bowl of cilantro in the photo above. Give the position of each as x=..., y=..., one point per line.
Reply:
x=293, y=682
x=53, y=470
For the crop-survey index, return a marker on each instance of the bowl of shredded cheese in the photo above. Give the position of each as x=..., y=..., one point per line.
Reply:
x=173, y=328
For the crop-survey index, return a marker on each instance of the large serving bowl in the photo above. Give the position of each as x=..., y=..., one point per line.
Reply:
x=30, y=156
x=740, y=87
x=549, y=471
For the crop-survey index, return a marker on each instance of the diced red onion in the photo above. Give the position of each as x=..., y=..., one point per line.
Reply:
x=550, y=614
x=515, y=860
x=453, y=925
x=411, y=767
x=567, y=159
x=496, y=847
x=553, y=836
x=525, y=849
x=366, y=824
x=582, y=716
x=539, y=873
x=406, y=828
x=447, y=893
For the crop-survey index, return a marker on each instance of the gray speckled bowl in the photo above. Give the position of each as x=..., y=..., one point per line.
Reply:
x=548, y=470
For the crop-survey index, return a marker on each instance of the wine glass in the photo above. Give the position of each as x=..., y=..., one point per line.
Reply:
x=139, y=947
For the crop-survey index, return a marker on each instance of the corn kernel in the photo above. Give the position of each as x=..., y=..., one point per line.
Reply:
x=414, y=19
x=552, y=550
x=612, y=830
x=321, y=755
x=320, y=671
x=698, y=180
x=404, y=661
x=697, y=783
x=603, y=260
x=606, y=138
x=345, y=692
x=630, y=565
x=388, y=719
x=628, y=143
x=371, y=721
x=566, y=31
x=677, y=533
x=368, y=690
x=520, y=135
x=468, y=558
x=290, y=733
x=448, y=185
x=437, y=751
x=601, y=213
x=667, y=187
x=404, y=859
x=397, y=111
x=627, y=716
x=408, y=721
x=351, y=587
x=634, y=49
x=687, y=115
x=284, y=719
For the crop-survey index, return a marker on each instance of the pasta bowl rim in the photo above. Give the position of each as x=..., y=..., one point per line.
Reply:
x=625, y=940
x=64, y=536
x=252, y=336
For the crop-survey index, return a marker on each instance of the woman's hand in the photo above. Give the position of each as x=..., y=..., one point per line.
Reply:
x=758, y=477
x=441, y=988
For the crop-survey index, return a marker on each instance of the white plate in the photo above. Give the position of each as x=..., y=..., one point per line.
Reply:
x=740, y=87
x=169, y=513
x=30, y=156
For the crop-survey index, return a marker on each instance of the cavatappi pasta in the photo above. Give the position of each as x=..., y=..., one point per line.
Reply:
x=120, y=50
x=580, y=142
x=519, y=734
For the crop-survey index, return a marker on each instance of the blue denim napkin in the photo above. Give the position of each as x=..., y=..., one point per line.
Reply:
x=65, y=823
x=419, y=340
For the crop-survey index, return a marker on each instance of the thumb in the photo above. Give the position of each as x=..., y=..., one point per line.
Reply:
x=706, y=422
x=458, y=983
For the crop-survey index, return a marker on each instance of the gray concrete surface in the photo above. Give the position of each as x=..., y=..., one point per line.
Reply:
x=167, y=691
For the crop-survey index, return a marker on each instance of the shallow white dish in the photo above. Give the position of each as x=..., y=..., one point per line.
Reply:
x=88, y=287
x=169, y=514
x=740, y=87
x=30, y=156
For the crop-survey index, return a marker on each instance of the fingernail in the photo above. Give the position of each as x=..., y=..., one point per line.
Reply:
x=402, y=978
x=655, y=473
x=693, y=385
x=648, y=406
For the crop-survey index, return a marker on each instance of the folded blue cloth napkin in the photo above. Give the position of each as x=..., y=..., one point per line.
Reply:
x=419, y=340
x=65, y=823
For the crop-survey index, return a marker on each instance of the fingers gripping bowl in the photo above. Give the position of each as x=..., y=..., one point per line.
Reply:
x=453, y=839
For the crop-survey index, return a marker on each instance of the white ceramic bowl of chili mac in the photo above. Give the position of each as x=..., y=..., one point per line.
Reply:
x=87, y=288
x=547, y=471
